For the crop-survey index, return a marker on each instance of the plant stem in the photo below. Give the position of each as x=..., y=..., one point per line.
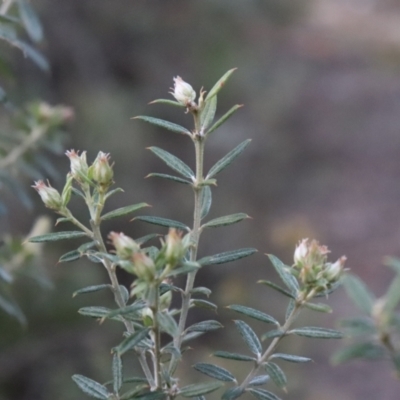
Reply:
x=156, y=338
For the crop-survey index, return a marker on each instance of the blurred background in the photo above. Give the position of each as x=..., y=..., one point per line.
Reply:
x=320, y=81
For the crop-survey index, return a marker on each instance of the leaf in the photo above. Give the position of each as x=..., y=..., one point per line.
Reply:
x=95, y=312
x=168, y=102
x=392, y=296
x=201, y=290
x=169, y=177
x=227, y=220
x=117, y=372
x=262, y=394
x=287, y=278
x=185, y=269
x=91, y=289
x=131, y=309
x=167, y=323
x=359, y=293
x=253, y=313
x=228, y=159
x=214, y=372
x=5, y=275
x=232, y=393
x=30, y=20
x=249, y=336
x=224, y=118
x=233, y=356
x=317, y=332
x=259, y=380
x=203, y=304
x=70, y=256
x=169, y=223
x=319, y=307
x=52, y=237
x=220, y=84
x=199, y=389
x=367, y=350
x=205, y=201
x=114, y=191
x=8, y=305
x=33, y=54
x=123, y=211
x=393, y=263
x=359, y=326
x=204, y=326
x=290, y=357
x=131, y=341
x=276, y=374
x=144, y=239
x=227, y=256
x=272, y=334
x=173, y=162
x=290, y=309
x=208, y=113
x=164, y=124
x=91, y=387
x=277, y=288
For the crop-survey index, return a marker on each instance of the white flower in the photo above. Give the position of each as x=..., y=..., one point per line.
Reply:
x=183, y=92
x=301, y=251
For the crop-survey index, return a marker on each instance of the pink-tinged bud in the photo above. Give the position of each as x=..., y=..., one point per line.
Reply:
x=334, y=271
x=183, y=92
x=301, y=252
x=143, y=267
x=50, y=196
x=101, y=170
x=174, y=248
x=79, y=166
x=54, y=114
x=125, y=247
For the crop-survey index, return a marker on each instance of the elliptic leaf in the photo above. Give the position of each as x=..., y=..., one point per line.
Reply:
x=169, y=177
x=233, y=356
x=117, y=372
x=169, y=223
x=164, y=124
x=262, y=394
x=90, y=289
x=52, y=237
x=204, y=326
x=359, y=293
x=215, y=372
x=30, y=20
x=205, y=201
x=167, y=323
x=283, y=271
x=227, y=256
x=319, y=307
x=259, y=380
x=168, y=102
x=203, y=304
x=199, y=389
x=119, y=212
x=226, y=220
x=272, y=334
x=249, y=336
x=359, y=326
x=277, y=288
x=224, y=118
x=317, y=332
x=91, y=387
x=227, y=160
x=70, y=256
x=131, y=341
x=276, y=374
x=253, y=313
x=290, y=358
x=370, y=351
x=208, y=113
x=232, y=393
x=173, y=162
x=220, y=84
x=8, y=305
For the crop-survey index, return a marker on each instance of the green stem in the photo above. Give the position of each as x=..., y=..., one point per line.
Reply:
x=157, y=339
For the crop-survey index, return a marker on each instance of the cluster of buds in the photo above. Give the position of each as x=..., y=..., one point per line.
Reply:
x=312, y=268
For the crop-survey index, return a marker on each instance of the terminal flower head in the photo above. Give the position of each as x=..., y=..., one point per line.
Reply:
x=101, y=170
x=183, y=92
x=50, y=196
x=79, y=167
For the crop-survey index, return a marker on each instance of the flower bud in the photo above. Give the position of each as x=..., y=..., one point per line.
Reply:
x=183, y=92
x=334, y=271
x=147, y=316
x=125, y=246
x=79, y=166
x=301, y=252
x=101, y=170
x=50, y=196
x=174, y=248
x=143, y=267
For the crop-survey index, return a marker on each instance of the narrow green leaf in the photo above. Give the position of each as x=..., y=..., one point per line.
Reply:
x=5, y=275
x=185, y=269
x=262, y=394
x=319, y=307
x=191, y=335
x=168, y=102
x=393, y=263
x=369, y=351
x=220, y=84
x=359, y=293
x=227, y=256
x=224, y=118
x=151, y=396
x=359, y=326
x=272, y=334
x=290, y=357
x=201, y=290
x=91, y=387
x=117, y=372
x=283, y=271
x=277, y=288
x=70, y=256
x=253, y=313
x=199, y=389
x=169, y=223
x=205, y=201
x=290, y=309
x=215, y=372
x=52, y=237
x=114, y=191
x=169, y=177
x=204, y=326
x=226, y=220
x=259, y=380
x=131, y=309
x=91, y=289
x=227, y=160
x=208, y=113
x=119, y=212
x=30, y=20
x=164, y=124
x=61, y=220
x=392, y=296
x=173, y=162
x=276, y=374
x=249, y=336
x=95, y=312
x=8, y=305
x=232, y=393
x=33, y=54
x=203, y=304
x=317, y=332
x=233, y=356
x=133, y=394
x=131, y=341
x=167, y=323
